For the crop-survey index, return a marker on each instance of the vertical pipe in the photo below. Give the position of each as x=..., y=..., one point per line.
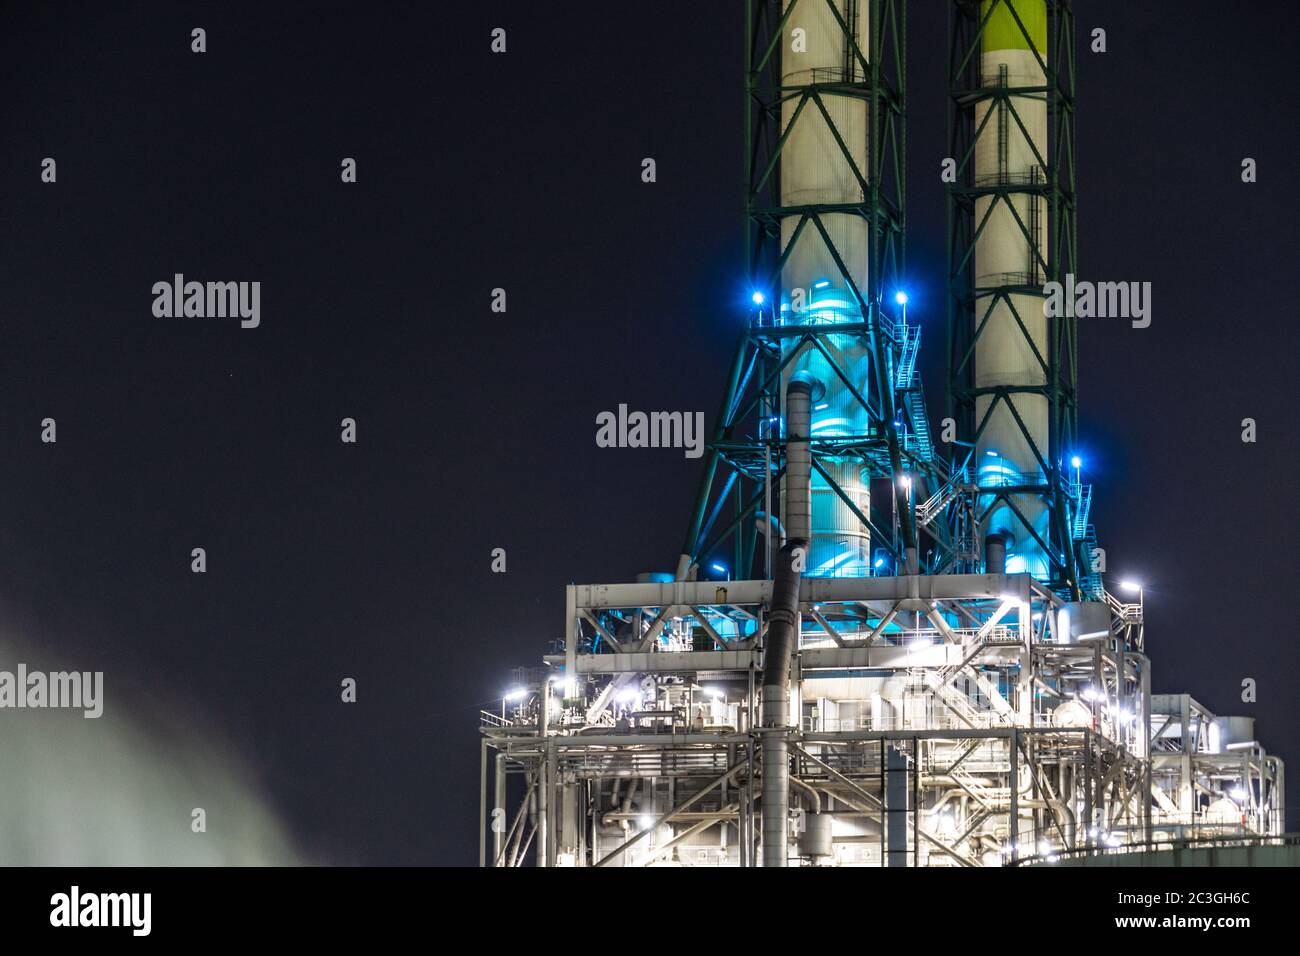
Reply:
x=884, y=814
x=1279, y=797
x=587, y=791
x=783, y=626
x=1087, y=789
x=770, y=533
x=916, y=801
x=499, y=810
x=752, y=835
x=542, y=825
x=556, y=805
x=482, y=804
x=1144, y=740
x=1038, y=812
x=798, y=457
x=1014, y=828
x=723, y=824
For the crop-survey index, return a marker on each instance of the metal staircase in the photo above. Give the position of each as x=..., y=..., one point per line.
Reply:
x=1084, y=539
x=914, y=403
x=911, y=345
x=1089, y=577
x=907, y=382
x=1083, y=505
x=958, y=703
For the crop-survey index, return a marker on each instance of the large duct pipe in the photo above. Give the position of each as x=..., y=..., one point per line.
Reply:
x=798, y=457
x=769, y=524
x=995, y=553
x=782, y=631
x=783, y=622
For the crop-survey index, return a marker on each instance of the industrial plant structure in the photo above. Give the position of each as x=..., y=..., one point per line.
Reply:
x=914, y=659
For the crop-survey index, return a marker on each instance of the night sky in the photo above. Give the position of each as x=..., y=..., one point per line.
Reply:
x=476, y=430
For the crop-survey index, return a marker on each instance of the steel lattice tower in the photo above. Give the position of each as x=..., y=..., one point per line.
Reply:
x=1011, y=230
x=843, y=233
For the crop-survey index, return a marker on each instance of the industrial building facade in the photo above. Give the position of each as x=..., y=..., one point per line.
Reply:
x=919, y=661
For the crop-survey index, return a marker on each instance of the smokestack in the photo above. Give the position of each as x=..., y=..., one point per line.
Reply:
x=821, y=278
x=1010, y=152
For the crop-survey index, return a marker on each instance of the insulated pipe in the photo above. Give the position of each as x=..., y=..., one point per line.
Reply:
x=813, y=796
x=499, y=809
x=765, y=522
x=619, y=808
x=798, y=457
x=1063, y=812
x=782, y=631
x=783, y=621
x=543, y=821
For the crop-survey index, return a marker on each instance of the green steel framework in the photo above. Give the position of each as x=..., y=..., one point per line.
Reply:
x=743, y=463
x=969, y=308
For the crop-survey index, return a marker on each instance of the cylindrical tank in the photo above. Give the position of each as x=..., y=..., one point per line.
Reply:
x=1010, y=153
x=815, y=841
x=1072, y=713
x=1226, y=731
x=821, y=164
x=1223, y=810
x=1082, y=621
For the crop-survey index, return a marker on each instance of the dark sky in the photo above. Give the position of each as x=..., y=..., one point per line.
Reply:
x=476, y=430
